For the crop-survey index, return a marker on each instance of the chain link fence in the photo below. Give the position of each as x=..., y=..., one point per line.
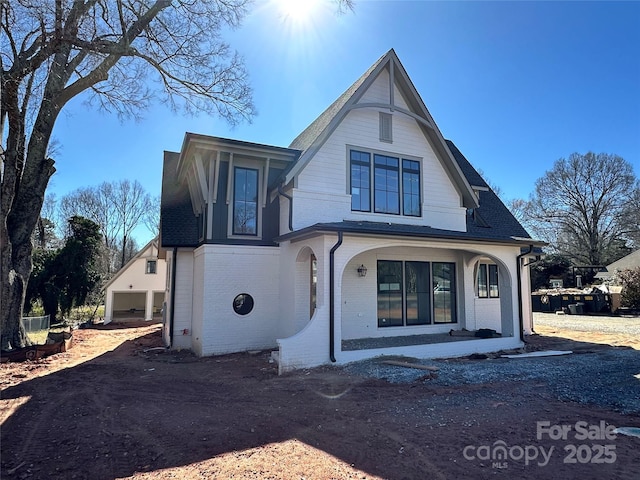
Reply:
x=36, y=329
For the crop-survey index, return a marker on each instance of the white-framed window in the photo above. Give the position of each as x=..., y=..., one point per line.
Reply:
x=152, y=266
x=389, y=183
x=487, y=281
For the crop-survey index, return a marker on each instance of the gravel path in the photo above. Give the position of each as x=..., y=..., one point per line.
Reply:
x=606, y=377
x=583, y=323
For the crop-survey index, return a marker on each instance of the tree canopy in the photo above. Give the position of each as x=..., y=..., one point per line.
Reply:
x=111, y=50
x=117, y=54
x=584, y=208
x=64, y=278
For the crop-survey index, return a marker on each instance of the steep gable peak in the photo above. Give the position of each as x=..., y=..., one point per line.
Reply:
x=410, y=104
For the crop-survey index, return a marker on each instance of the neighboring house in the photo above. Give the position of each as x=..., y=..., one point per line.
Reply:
x=627, y=262
x=556, y=283
x=137, y=290
x=370, y=235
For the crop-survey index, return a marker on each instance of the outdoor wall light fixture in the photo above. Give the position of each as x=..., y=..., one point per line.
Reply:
x=362, y=271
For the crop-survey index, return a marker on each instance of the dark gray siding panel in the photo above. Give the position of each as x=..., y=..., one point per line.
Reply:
x=221, y=209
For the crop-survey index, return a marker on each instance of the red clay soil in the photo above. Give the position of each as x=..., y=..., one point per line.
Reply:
x=107, y=409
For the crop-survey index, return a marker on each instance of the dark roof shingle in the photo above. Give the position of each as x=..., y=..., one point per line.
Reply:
x=178, y=224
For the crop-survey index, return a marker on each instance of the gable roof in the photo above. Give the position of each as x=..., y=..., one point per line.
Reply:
x=627, y=262
x=153, y=242
x=491, y=222
x=316, y=134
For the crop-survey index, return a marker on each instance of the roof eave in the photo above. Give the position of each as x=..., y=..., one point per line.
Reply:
x=316, y=230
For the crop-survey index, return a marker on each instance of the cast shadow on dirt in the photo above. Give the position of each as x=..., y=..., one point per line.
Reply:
x=131, y=410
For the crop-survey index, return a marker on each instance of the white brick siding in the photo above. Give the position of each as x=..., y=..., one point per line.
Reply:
x=356, y=310
x=184, y=292
x=232, y=270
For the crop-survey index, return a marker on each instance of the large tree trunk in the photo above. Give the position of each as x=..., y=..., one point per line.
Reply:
x=24, y=181
x=16, y=268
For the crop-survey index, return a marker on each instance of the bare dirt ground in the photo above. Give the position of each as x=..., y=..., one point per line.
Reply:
x=106, y=409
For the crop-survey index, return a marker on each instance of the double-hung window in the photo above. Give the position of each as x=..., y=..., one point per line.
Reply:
x=487, y=281
x=245, y=201
x=151, y=266
x=395, y=182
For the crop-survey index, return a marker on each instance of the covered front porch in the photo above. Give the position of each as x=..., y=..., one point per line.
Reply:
x=399, y=296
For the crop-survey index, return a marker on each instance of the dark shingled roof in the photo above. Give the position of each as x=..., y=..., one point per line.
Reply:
x=492, y=211
x=473, y=177
x=492, y=221
x=178, y=224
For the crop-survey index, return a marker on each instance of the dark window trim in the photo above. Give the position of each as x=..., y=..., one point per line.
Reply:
x=148, y=270
x=243, y=304
x=371, y=165
x=488, y=278
x=361, y=163
x=385, y=167
x=234, y=232
x=432, y=293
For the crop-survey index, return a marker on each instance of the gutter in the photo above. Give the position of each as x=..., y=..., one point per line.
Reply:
x=332, y=306
x=519, y=276
x=290, y=198
x=174, y=260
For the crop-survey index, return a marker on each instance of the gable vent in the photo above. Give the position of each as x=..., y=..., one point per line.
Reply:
x=386, y=130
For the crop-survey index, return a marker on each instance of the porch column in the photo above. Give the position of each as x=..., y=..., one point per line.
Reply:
x=148, y=307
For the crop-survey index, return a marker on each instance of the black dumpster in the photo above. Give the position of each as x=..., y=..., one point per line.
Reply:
x=555, y=302
x=595, y=303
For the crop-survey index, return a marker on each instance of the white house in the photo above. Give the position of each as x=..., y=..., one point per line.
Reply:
x=369, y=235
x=137, y=290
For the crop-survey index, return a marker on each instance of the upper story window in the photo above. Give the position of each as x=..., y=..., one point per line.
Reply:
x=396, y=184
x=245, y=201
x=488, y=281
x=151, y=266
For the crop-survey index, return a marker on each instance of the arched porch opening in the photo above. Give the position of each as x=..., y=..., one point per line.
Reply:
x=434, y=293
x=307, y=291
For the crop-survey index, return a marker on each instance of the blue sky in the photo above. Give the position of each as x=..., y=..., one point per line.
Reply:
x=516, y=85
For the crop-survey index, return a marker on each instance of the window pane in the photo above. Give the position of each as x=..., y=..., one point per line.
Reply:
x=418, y=297
x=245, y=201
x=314, y=285
x=360, y=180
x=444, y=292
x=389, y=293
x=387, y=186
x=411, y=188
x=482, y=281
x=493, y=281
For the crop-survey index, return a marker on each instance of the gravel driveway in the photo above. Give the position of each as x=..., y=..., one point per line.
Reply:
x=584, y=323
x=607, y=377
